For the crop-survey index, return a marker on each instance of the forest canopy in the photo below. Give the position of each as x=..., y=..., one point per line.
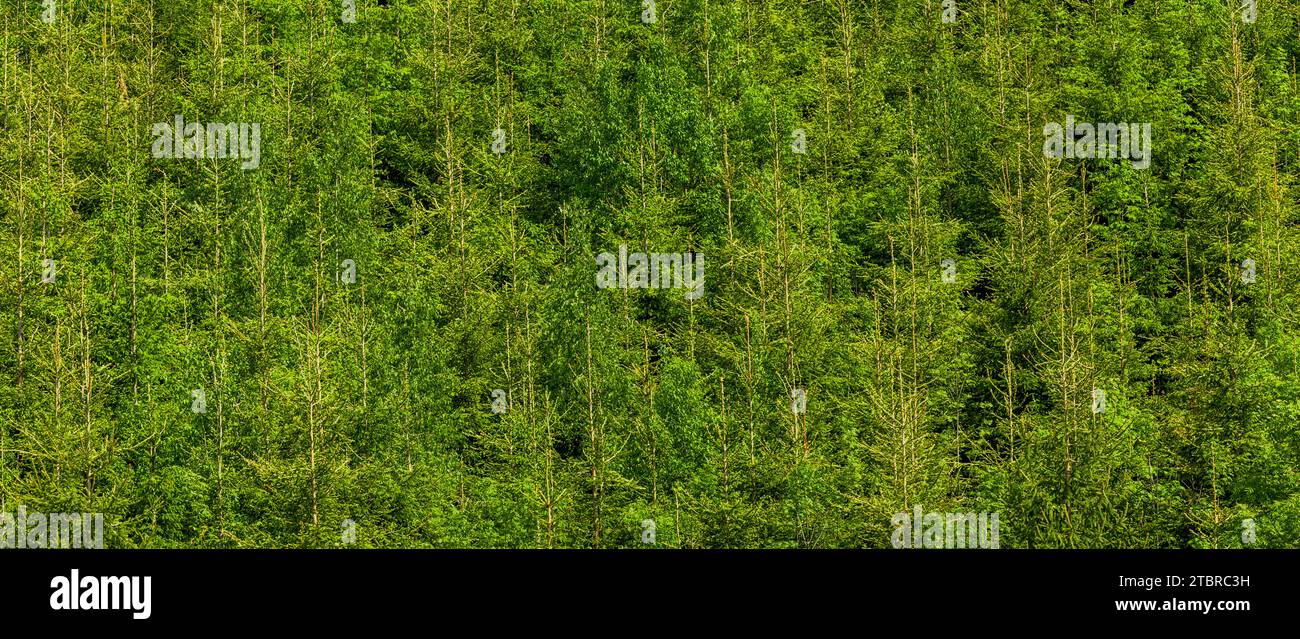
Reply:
x=635, y=273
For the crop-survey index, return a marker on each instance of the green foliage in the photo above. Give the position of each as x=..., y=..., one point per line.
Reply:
x=371, y=401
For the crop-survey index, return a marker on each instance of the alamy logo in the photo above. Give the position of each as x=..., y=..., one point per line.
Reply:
x=798, y=401
x=949, y=272
x=944, y=530
x=55, y=530
x=102, y=593
x=498, y=141
x=347, y=273
x=1084, y=140
x=654, y=270
x=193, y=140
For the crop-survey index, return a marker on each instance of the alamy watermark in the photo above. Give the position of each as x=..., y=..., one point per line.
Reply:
x=944, y=530
x=949, y=14
x=949, y=273
x=1085, y=140
x=55, y=530
x=91, y=592
x=347, y=272
x=798, y=400
x=1098, y=401
x=652, y=270
x=498, y=141
x=200, y=403
x=179, y=139
x=1248, y=271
